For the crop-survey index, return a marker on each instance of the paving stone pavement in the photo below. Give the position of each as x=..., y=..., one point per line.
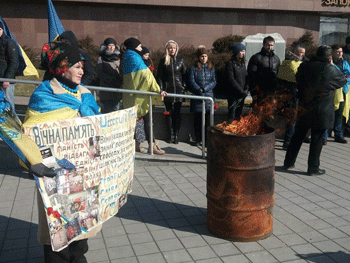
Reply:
x=164, y=219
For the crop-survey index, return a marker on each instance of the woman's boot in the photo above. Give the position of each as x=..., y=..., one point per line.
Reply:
x=176, y=139
x=176, y=128
x=156, y=149
x=138, y=148
x=170, y=134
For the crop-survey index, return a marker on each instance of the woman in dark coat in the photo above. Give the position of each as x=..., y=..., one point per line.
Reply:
x=201, y=82
x=236, y=80
x=108, y=71
x=171, y=78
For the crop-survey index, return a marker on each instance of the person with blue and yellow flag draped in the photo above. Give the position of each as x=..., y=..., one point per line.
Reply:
x=61, y=97
x=341, y=96
x=137, y=76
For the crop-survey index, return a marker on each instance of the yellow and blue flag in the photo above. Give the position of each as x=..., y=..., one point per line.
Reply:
x=55, y=25
x=137, y=76
x=25, y=66
x=11, y=132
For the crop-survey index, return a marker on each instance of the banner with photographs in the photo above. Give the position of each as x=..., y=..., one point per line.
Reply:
x=94, y=161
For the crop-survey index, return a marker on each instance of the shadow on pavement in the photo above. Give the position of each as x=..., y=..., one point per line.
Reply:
x=172, y=150
x=168, y=214
x=18, y=242
x=290, y=171
x=338, y=256
x=9, y=162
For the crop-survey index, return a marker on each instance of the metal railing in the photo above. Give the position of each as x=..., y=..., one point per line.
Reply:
x=150, y=94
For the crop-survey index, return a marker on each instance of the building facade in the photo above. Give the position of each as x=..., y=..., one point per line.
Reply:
x=190, y=22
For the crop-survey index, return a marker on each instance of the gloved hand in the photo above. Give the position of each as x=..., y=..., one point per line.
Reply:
x=41, y=170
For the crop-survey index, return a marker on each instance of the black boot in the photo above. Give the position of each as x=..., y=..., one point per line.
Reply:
x=170, y=134
x=176, y=128
x=176, y=140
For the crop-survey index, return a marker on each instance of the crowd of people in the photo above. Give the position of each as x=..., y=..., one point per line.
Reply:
x=130, y=66
x=317, y=90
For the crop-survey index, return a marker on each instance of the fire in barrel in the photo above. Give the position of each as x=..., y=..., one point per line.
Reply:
x=240, y=179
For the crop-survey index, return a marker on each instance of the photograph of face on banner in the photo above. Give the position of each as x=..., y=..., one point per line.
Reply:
x=77, y=202
x=62, y=180
x=50, y=186
x=75, y=181
x=88, y=218
x=94, y=147
x=92, y=197
x=58, y=234
x=73, y=228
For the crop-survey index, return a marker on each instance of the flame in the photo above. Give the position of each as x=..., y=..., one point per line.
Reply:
x=248, y=125
x=254, y=123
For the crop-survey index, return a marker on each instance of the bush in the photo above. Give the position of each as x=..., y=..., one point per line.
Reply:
x=33, y=56
x=223, y=44
x=87, y=44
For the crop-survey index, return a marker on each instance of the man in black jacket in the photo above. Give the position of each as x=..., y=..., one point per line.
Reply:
x=8, y=64
x=262, y=71
x=317, y=81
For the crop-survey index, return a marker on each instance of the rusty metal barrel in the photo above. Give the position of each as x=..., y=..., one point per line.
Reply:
x=240, y=185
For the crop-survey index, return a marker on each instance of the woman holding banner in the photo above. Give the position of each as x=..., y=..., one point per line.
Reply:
x=61, y=97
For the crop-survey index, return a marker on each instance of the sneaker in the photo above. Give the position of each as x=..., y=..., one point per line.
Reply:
x=287, y=167
x=340, y=140
x=315, y=173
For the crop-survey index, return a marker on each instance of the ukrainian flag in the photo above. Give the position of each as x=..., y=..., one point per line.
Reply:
x=11, y=132
x=25, y=66
x=137, y=76
x=55, y=25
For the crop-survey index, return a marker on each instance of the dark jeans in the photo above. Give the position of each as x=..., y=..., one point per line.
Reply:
x=289, y=133
x=235, y=108
x=315, y=147
x=198, y=125
x=347, y=128
x=175, y=112
x=338, y=123
x=74, y=253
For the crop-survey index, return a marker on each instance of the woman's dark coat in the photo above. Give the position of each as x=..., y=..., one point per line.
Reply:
x=236, y=79
x=108, y=71
x=317, y=81
x=172, y=78
x=201, y=83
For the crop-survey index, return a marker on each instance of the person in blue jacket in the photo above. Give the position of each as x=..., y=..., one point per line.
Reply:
x=201, y=82
x=340, y=102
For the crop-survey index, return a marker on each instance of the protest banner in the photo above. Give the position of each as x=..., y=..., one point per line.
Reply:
x=93, y=158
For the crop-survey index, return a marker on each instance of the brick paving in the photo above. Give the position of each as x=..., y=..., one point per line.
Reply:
x=164, y=219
